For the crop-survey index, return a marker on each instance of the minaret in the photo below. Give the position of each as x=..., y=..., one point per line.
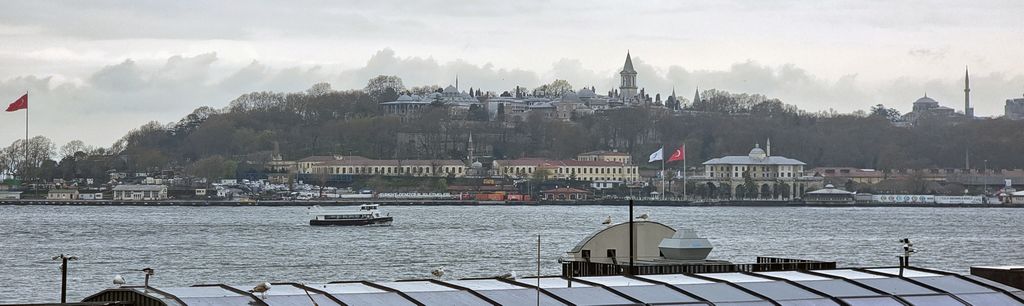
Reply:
x=768, y=147
x=469, y=148
x=968, y=111
x=627, y=89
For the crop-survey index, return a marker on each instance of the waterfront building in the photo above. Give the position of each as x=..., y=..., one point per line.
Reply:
x=358, y=165
x=10, y=195
x=842, y=175
x=773, y=177
x=608, y=156
x=140, y=192
x=1014, y=109
x=830, y=195
x=601, y=174
x=565, y=194
x=62, y=194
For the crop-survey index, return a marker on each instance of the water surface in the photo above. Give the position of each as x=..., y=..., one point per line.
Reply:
x=246, y=245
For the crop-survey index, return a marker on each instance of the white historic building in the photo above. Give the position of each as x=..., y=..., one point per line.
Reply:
x=773, y=177
x=140, y=192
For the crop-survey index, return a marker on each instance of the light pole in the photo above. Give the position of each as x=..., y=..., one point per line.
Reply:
x=64, y=275
x=984, y=179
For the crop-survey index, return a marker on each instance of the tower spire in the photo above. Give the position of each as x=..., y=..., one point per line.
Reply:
x=968, y=110
x=627, y=88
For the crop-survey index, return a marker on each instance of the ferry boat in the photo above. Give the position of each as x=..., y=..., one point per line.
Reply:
x=366, y=215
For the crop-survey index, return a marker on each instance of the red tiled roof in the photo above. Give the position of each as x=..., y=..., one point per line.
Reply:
x=565, y=190
x=590, y=163
x=603, y=152
x=324, y=158
x=393, y=162
x=537, y=162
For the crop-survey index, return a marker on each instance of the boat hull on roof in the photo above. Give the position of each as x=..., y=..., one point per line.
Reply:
x=353, y=222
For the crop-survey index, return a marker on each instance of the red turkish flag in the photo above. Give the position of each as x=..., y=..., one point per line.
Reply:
x=20, y=103
x=678, y=154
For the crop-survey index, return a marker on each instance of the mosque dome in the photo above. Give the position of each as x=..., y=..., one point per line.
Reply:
x=586, y=93
x=571, y=97
x=476, y=165
x=451, y=89
x=757, y=153
x=926, y=100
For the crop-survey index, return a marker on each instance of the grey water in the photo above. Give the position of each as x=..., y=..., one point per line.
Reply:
x=246, y=245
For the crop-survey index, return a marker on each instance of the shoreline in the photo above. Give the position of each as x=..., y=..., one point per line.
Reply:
x=203, y=203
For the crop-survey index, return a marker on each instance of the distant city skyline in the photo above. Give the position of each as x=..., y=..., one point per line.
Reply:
x=96, y=70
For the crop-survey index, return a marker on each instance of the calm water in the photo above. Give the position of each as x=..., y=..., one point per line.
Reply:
x=246, y=245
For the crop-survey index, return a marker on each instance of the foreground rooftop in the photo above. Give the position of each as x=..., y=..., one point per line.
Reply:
x=869, y=286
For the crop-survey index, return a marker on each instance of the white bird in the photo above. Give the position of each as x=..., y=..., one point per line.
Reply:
x=261, y=288
x=607, y=220
x=643, y=216
x=119, y=280
x=439, y=272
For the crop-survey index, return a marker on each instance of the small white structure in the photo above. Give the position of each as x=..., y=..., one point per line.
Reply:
x=62, y=194
x=654, y=243
x=91, y=196
x=140, y=192
x=10, y=195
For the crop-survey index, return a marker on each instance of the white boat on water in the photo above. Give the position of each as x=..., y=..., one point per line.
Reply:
x=368, y=214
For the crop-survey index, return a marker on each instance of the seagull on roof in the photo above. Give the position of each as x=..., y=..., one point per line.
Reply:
x=439, y=272
x=643, y=216
x=119, y=280
x=607, y=220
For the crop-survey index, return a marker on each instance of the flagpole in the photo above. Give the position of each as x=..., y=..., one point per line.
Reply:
x=25, y=176
x=684, y=171
x=663, y=172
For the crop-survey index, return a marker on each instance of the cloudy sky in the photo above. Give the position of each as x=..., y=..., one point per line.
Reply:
x=96, y=69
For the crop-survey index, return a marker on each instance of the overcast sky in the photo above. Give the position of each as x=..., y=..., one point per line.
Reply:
x=96, y=69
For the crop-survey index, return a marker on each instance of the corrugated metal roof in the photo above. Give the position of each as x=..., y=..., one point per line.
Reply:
x=817, y=287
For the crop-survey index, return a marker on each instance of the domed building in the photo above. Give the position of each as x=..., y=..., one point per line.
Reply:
x=773, y=177
x=925, y=103
x=928, y=107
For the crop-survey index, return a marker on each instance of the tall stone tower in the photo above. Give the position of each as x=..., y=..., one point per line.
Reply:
x=968, y=110
x=627, y=90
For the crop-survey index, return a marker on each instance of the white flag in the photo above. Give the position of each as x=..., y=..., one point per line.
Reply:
x=656, y=156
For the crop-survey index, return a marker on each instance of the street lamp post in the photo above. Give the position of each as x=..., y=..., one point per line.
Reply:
x=984, y=179
x=64, y=275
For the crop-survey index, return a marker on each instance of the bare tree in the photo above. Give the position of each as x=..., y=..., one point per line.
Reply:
x=72, y=147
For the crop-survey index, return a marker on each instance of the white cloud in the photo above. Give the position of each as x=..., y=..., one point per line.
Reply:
x=106, y=66
x=121, y=96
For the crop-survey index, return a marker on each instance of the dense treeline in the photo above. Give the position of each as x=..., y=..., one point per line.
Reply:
x=217, y=142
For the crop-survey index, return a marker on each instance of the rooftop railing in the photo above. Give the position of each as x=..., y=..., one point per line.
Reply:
x=572, y=268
